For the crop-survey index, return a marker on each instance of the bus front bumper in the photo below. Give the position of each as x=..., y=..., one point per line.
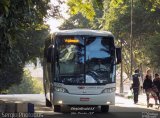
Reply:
x=74, y=99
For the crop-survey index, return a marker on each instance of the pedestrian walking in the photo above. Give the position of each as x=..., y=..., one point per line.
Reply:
x=148, y=86
x=156, y=84
x=135, y=85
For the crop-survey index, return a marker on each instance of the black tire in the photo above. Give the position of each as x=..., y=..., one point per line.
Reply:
x=105, y=108
x=57, y=108
x=48, y=103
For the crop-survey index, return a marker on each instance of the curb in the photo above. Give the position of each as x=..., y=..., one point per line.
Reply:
x=16, y=107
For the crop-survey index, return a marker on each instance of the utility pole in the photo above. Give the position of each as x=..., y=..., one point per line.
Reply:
x=121, y=80
x=131, y=39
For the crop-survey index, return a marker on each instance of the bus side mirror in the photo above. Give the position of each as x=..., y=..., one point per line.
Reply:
x=50, y=54
x=118, y=55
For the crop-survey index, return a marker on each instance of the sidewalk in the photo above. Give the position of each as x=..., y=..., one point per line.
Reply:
x=141, y=98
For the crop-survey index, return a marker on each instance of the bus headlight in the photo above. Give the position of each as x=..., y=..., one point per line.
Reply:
x=109, y=90
x=60, y=89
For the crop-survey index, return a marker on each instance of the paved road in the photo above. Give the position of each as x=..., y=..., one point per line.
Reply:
x=124, y=108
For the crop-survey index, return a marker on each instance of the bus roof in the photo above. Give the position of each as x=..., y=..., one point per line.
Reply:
x=83, y=32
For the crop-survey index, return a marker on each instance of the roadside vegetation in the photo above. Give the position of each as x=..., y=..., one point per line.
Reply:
x=28, y=85
x=22, y=35
x=115, y=16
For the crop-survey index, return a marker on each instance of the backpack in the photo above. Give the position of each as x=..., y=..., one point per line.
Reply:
x=136, y=82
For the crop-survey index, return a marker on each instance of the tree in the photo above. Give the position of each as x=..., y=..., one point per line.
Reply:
x=76, y=21
x=145, y=25
x=28, y=85
x=22, y=36
x=153, y=44
x=84, y=14
x=116, y=18
x=83, y=6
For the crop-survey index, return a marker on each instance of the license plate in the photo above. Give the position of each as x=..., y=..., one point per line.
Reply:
x=84, y=99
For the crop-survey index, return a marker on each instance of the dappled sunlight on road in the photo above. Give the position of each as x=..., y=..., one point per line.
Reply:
x=128, y=103
x=123, y=102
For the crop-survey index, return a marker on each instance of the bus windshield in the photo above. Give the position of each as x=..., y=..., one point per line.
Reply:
x=84, y=59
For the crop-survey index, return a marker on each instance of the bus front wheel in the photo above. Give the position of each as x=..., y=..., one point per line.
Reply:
x=57, y=108
x=105, y=108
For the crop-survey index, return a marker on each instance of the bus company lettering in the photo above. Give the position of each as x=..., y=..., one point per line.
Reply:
x=94, y=87
x=90, y=87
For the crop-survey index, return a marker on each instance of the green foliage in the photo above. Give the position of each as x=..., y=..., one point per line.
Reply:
x=22, y=36
x=115, y=16
x=11, y=74
x=84, y=14
x=152, y=49
x=28, y=85
x=19, y=17
x=82, y=6
x=145, y=25
x=76, y=21
x=24, y=50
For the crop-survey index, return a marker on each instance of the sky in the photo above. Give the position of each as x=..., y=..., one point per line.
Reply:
x=54, y=23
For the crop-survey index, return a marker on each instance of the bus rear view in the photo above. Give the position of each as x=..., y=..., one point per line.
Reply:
x=79, y=69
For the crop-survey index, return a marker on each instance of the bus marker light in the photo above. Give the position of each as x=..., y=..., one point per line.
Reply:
x=108, y=102
x=60, y=102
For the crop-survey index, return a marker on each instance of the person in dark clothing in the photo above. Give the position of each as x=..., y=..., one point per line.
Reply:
x=156, y=83
x=148, y=85
x=135, y=85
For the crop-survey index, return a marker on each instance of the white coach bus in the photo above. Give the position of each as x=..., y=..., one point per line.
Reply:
x=80, y=69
